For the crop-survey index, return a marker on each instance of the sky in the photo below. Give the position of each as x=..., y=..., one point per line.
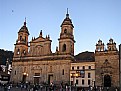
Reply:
x=92, y=20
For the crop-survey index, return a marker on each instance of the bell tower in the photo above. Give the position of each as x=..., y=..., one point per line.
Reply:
x=111, y=46
x=66, y=40
x=99, y=46
x=21, y=46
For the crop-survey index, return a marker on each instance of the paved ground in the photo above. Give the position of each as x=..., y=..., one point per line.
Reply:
x=2, y=88
x=23, y=89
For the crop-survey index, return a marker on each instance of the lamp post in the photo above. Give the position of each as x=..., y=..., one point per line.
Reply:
x=74, y=75
x=94, y=86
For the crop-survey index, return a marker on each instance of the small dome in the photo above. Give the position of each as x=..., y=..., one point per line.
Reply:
x=111, y=40
x=67, y=20
x=24, y=29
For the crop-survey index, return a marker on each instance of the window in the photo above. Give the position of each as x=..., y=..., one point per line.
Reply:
x=89, y=75
x=89, y=67
x=82, y=81
x=73, y=68
x=20, y=37
x=89, y=82
x=64, y=48
x=77, y=67
x=15, y=72
x=24, y=52
x=63, y=72
x=25, y=38
x=77, y=81
x=65, y=31
x=18, y=51
x=83, y=67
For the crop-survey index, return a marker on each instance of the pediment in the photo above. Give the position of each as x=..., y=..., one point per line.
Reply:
x=39, y=39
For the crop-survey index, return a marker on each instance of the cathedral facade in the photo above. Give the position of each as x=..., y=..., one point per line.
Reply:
x=34, y=61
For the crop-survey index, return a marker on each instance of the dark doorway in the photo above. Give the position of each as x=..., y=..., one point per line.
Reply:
x=24, y=79
x=107, y=81
x=50, y=78
x=36, y=80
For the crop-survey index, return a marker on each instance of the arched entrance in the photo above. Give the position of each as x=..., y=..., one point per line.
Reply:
x=107, y=81
x=24, y=77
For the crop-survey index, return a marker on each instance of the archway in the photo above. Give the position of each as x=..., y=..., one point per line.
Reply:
x=107, y=81
x=64, y=48
x=24, y=79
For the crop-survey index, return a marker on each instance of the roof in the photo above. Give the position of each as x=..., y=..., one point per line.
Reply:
x=67, y=21
x=24, y=29
x=85, y=57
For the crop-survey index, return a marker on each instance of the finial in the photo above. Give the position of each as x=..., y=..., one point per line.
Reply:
x=67, y=15
x=48, y=36
x=56, y=49
x=25, y=22
x=40, y=33
x=67, y=10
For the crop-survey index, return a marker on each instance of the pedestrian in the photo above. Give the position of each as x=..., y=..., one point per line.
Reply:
x=9, y=87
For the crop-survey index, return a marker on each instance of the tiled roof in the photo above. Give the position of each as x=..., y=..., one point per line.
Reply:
x=85, y=57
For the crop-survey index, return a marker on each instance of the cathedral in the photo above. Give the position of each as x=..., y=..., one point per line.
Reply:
x=34, y=61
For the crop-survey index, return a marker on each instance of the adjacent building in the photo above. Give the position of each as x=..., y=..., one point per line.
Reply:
x=82, y=71
x=107, y=64
x=5, y=56
x=5, y=65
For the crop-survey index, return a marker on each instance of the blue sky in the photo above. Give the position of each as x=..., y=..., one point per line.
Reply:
x=92, y=20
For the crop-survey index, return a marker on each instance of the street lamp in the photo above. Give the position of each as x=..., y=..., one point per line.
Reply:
x=94, y=86
x=74, y=75
x=25, y=73
x=24, y=76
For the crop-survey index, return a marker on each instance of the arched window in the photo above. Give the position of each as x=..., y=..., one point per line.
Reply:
x=65, y=30
x=20, y=37
x=64, y=48
x=18, y=51
x=24, y=52
x=63, y=72
x=15, y=72
x=109, y=48
x=25, y=38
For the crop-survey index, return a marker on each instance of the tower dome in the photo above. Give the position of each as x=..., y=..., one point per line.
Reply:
x=24, y=28
x=67, y=20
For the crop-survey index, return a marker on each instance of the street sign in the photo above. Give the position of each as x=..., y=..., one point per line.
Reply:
x=82, y=73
